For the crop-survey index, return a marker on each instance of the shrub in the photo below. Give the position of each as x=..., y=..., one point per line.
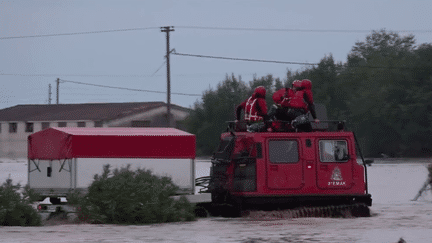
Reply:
x=15, y=209
x=132, y=197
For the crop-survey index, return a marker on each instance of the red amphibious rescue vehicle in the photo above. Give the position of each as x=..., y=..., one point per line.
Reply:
x=287, y=169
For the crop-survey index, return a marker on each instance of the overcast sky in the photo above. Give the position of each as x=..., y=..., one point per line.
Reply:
x=129, y=59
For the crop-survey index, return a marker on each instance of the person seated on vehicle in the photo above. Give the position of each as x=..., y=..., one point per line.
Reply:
x=300, y=103
x=279, y=110
x=255, y=110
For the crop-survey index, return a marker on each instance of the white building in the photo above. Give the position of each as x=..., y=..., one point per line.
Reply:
x=18, y=122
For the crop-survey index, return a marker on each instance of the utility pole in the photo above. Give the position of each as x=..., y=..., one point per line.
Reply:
x=58, y=84
x=49, y=94
x=168, y=29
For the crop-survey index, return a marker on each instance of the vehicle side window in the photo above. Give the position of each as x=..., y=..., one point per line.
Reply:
x=283, y=151
x=333, y=151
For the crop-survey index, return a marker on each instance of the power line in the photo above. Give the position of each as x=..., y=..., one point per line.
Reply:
x=114, y=75
x=113, y=87
x=101, y=94
x=76, y=33
x=285, y=62
x=243, y=59
x=295, y=30
x=213, y=28
x=79, y=75
x=163, y=64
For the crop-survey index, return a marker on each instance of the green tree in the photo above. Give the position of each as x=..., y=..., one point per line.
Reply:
x=209, y=116
x=382, y=70
x=383, y=90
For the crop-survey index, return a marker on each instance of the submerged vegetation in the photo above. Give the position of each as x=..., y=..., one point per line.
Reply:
x=119, y=196
x=15, y=205
x=125, y=196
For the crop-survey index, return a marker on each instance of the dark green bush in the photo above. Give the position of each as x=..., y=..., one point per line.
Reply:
x=15, y=209
x=132, y=197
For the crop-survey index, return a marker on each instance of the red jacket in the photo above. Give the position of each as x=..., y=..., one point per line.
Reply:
x=255, y=109
x=303, y=99
x=298, y=100
x=283, y=96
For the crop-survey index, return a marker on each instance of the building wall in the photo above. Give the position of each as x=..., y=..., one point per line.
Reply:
x=14, y=145
x=153, y=118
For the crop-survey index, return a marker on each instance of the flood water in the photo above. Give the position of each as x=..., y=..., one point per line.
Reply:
x=395, y=216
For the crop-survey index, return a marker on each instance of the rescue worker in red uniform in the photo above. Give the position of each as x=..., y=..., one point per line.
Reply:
x=255, y=110
x=279, y=110
x=292, y=105
x=300, y=103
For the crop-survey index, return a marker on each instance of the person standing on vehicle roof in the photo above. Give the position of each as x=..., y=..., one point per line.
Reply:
x=255, y=110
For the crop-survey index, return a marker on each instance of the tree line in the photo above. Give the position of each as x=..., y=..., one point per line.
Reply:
x=383, y=91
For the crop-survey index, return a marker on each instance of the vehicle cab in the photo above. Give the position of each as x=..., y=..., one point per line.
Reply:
x=289, y=167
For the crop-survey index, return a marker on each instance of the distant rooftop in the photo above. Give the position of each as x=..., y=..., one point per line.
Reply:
x=121, y=131
x=87, y=111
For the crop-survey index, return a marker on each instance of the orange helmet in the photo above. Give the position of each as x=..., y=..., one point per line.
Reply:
x=306, y=84
x=260, y=91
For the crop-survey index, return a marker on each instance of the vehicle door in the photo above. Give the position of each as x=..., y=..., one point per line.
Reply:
x=335, y=168
x=284, y=166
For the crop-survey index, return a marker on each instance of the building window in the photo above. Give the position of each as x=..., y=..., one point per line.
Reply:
x=62, y=124
x=81, y=124
x=98, y=124
x=29, y=127
x=13, y=127
x=140, y=123
x=45, y=125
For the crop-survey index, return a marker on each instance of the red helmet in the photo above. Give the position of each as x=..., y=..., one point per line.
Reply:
x=297, y=84
x=306, y=84
x=260, y=91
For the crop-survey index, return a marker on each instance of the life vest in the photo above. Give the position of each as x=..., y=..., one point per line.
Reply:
x=283, y=96
x=286, y=100
x=297, y=101
x=251, y=111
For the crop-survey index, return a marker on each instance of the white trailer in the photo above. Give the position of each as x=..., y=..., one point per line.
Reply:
x=61, y=160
